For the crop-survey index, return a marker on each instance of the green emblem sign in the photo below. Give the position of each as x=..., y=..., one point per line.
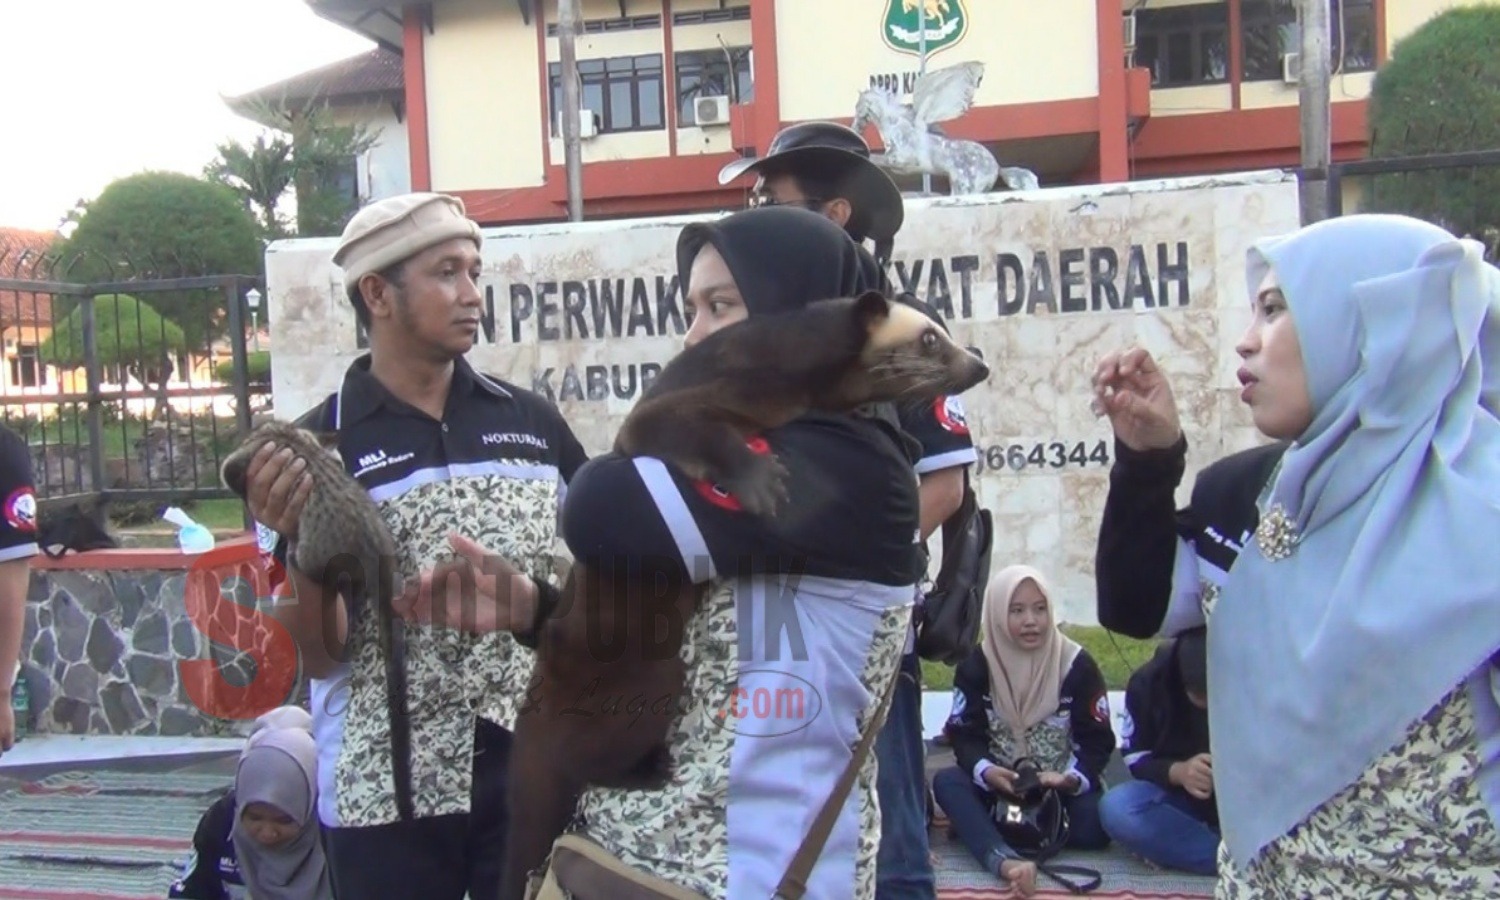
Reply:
x=947, y=23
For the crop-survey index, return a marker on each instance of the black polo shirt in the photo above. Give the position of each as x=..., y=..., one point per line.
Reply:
x=17, y=499
x=494, y=468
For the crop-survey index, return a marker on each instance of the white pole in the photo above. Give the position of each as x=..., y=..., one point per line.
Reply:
x=567, y=29
x=1313, y=98
x=922, y=70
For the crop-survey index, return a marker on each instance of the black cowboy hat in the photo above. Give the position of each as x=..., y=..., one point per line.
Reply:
x=825, y=147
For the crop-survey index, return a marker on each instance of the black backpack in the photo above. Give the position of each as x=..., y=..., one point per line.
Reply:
x=948, y=622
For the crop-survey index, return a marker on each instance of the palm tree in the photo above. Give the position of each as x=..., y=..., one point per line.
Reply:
x=260, y=173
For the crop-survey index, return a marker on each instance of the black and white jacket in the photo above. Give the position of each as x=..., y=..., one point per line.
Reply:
x=1159, y=569
x=1162, y=727
x=1076, y=739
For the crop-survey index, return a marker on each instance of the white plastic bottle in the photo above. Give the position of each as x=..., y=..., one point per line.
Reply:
x=191, y=537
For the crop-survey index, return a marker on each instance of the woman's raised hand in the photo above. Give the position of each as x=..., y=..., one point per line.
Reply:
x=1131, y=390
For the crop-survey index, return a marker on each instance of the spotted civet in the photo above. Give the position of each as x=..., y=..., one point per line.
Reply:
x=343, y=544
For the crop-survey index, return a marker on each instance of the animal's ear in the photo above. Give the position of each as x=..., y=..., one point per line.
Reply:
x=326, y=439
x=232, y=473
x=871, y=309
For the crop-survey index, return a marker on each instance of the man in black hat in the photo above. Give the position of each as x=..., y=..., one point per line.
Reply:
x=826, y=167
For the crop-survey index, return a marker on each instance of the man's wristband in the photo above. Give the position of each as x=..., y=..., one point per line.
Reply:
x=547, y=599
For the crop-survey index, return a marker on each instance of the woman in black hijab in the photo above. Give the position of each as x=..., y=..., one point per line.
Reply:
x=767, y=261
x=805, y=618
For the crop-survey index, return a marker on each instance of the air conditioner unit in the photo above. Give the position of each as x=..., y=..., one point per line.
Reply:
x=588, y=124
x=1291, y=68
x=1130, y=30
x=711, y=110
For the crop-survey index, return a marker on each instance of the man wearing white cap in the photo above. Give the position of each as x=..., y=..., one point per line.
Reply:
x=443, y=450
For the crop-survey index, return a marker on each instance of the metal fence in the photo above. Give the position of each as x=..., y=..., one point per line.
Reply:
x=126, y=386
x=1459, y=191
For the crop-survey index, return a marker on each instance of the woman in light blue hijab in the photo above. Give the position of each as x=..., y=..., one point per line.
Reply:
x=1352, y=652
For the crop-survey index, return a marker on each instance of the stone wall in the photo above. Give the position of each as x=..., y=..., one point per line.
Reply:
x=107, y=633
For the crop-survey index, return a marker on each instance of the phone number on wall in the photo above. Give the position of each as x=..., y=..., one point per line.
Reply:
x=1043, y=455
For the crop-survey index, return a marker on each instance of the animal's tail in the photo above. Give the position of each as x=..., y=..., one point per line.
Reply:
x=393, y=637
x=395, y=679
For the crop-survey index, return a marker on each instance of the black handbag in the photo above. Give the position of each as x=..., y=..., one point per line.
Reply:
x=1035, y=825
x=948, y=623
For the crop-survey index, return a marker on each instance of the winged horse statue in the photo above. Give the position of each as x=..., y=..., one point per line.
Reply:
x=914, y=146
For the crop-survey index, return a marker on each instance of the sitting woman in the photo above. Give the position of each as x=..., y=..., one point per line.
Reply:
x=1028, y=692
x=261, y=840
x=810, y=606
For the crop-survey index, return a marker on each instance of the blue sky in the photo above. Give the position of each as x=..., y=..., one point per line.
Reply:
x=99, y=89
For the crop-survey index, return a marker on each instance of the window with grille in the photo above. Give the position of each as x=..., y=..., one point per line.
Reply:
x=26, y=366
x=1269, y=30
x=623, y=92
x=707, y=73
x=711, y=16
x=1184, y=45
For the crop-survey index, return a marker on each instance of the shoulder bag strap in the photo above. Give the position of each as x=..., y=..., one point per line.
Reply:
x=1090, y=878
x=794, y=882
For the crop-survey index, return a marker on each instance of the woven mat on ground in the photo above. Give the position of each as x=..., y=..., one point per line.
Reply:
x=959, y=877
x=110, y=835
x=99, y=835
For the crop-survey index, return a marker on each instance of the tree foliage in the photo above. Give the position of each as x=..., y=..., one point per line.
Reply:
x=308, y=152
x=325, y=150
x=166, y=225
x=1440, y=93
x=260, y=173
x=127, y=333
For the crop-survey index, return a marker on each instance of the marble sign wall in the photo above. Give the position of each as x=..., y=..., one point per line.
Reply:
x=1042, y=285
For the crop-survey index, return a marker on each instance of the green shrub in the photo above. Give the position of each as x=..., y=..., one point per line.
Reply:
x=1440, y=93
x=257, y=367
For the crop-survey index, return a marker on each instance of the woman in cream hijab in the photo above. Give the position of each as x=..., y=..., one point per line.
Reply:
x=1028, y=691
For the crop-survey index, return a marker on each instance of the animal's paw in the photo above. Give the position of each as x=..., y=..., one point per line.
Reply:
x=761, y=487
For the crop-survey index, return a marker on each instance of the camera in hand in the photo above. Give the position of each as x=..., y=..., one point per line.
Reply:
x=1028, y=784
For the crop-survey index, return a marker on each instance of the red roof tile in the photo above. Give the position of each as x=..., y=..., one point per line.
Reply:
x=20, y=258
x=374, y=73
